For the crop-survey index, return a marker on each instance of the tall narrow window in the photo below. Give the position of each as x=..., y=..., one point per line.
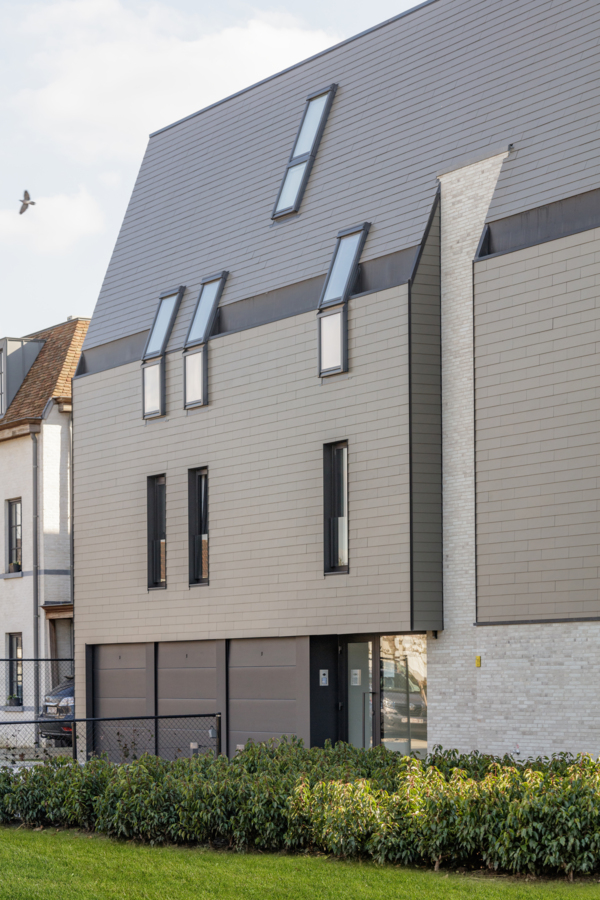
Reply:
x=15, y=667
x=336, y=507
x=195, y=357
x=15, y=559
x=153, y=361
x=304, y=151
x=157, y=532
x=198, y=525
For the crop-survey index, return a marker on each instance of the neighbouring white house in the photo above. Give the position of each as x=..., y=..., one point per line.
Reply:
x=36, y=597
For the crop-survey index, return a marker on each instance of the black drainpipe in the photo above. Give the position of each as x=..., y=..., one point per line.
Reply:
x=36, y=588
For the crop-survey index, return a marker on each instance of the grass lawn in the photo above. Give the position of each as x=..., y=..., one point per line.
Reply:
x=71, y=866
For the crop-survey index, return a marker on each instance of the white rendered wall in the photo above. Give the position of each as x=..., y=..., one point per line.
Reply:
x=16, y=593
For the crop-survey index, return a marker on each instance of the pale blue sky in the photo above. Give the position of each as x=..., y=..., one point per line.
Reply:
x=83, y=82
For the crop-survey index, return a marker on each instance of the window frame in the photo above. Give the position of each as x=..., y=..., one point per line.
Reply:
x=328, y=506
x=154, y=534
x=179, y=291
x=194, y=404
x=221, y=277
x=197, y=518
x=363, y=229
x=15, y=664
x=17, y=502
x=309, y=157
x=340, y=308
x=148, y=364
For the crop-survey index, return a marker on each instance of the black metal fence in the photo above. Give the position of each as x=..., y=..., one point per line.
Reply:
x=28, y=686
x=120, y=739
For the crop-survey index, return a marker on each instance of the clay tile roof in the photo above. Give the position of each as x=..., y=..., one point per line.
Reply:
x=50, y=375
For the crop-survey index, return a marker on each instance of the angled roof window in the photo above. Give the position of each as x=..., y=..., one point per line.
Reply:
x=304, y=151
x=343, y=268
x=206, y=309
x=163, y=322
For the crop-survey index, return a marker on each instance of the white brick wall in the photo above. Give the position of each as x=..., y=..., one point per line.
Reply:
x=465, y=199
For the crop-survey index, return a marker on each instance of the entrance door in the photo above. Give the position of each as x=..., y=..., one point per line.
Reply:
x=386, y=691
x=360, y=693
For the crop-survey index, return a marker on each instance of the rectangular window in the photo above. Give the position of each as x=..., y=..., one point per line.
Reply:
x=153, y=362
x=153, y=383
x=194, y=375
x=15, y=668
x=198, y=525
x=206, y=309
x=343, y=268
x=195, y=363
x=304, y=152
x=163, y=323
x=2, y=390
x=333, y=342
x=157, y=532
x=336, y=507
x=15, y=559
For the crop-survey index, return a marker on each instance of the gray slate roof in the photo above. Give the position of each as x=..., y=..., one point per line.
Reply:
x=428, y=91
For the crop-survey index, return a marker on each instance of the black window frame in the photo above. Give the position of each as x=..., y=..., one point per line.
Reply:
x=157, y=559
x=179, y=291
x=339, y=309
x=15, y=535
x=221, y=277
x=200, y=344
x=364, y=229
x=15, y=665
x=330, y=499
x=157, y=357
x=198, y=525
x=308, y=158
x=193, y=404
x=159, y=363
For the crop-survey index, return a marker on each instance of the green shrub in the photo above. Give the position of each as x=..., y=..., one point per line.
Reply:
x=540, y=815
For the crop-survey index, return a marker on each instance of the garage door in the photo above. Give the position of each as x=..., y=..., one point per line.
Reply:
x=268, y=689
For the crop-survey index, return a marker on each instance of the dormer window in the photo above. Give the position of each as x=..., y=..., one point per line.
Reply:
x=153, y=360
x=304, y=152
x=195, y=357
x=332, y=317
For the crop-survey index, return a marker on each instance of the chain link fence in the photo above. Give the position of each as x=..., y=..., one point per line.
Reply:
x=37, y=721
x=28, y=686
x=120, y=739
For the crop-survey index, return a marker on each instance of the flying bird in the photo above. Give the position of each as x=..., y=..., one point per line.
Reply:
x=26, y=202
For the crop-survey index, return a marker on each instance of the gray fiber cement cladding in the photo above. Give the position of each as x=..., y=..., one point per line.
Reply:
x=448, y=83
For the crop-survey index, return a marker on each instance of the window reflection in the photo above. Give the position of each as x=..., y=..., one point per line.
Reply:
x=403, y=661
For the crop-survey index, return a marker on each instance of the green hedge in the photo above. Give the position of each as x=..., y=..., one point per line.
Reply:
x=539, y=815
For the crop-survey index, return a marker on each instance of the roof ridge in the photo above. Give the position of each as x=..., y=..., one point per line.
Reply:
x=355, y=37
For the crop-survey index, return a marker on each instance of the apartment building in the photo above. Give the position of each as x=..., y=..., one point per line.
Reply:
x=336, y=416
x=36, y=600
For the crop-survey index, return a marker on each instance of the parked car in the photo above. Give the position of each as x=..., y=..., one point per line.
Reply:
x=58, y=712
